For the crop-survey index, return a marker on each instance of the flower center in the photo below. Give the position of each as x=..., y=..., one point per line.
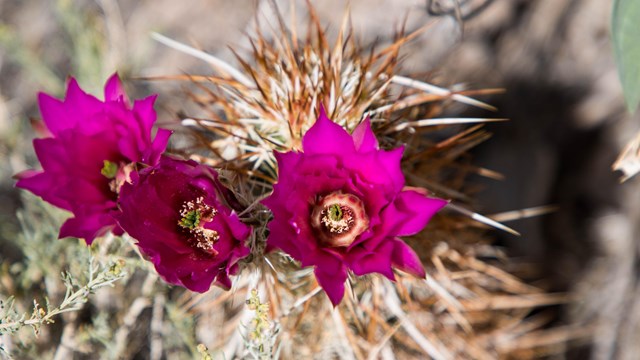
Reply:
x=117, y=173
x=194, y=214
x=339, y=219
x=191, y=219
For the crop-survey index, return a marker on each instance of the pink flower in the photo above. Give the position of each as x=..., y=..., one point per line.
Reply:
x=342, y=203
x=89, y=153
x=176, y=212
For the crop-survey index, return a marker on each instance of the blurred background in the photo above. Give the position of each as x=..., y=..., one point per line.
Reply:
x=553, y=58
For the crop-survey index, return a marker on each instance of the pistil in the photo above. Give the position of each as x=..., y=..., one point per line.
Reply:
x=194, y=215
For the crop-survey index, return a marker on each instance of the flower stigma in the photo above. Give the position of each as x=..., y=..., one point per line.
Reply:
x=109, y=169
x=194, y=214
x=335, y=212
x=191, y=219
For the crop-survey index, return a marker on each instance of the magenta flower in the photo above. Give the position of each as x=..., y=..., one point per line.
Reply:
x=89, y=154
x=176, y=212
x=342, y=203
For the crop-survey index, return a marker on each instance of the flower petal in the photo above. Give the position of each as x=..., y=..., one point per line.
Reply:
x=223, y=281
x=331, y=275
x=404, y=258
x=52, y=155
x=159, y=145
x=363, y=137
x=390, y=162
x=410, y=212
x=86, y=227
x=54, y=114
x=327, y=137
x=114, y=90
x=39, y=183
x=143, y=110
x=375, y=262
x=79, y=106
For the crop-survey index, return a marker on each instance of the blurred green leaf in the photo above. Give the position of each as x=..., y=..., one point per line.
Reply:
x=625, y=29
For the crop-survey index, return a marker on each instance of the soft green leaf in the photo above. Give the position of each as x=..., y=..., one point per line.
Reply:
x=625, y=29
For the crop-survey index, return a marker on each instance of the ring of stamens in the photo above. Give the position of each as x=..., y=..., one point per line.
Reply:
x=339, y=218
x=194, y=214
